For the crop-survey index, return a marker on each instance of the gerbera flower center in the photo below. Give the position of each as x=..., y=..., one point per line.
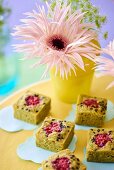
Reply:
x=57, y=42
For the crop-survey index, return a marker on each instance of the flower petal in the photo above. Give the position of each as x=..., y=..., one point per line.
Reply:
x=40, y=26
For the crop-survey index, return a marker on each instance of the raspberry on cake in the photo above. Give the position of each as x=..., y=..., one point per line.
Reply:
x=63, y=160
x=100, y=145
x=91, y=111
x=54, y=134
x=32, y=107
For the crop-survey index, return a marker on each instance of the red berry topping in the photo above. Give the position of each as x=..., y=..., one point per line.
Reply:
x=32, y=100
x=91, y=103
x=53, y=127
x=101, y=139
x=61, y=164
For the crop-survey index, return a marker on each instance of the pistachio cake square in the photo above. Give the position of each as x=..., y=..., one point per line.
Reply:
x=54, y=134
x=32, y=107
x=100, y=145
x=91, y=111
x=63, y=160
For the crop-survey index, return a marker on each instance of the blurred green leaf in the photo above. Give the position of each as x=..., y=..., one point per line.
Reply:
x=105, y=35
x=4, y=29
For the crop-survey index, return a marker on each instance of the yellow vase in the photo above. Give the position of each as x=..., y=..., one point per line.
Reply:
x=68, y=90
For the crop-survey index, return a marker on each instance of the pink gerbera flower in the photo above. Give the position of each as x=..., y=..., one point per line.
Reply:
x=105, y=66
x=57, y=38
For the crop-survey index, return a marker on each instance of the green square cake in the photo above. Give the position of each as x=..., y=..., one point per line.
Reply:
x=32, y=107
x=63, y=160
x=100, y=145
x=54, y=134
x=91, y=111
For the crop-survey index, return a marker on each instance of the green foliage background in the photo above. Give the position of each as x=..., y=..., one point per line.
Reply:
x=92, y=13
